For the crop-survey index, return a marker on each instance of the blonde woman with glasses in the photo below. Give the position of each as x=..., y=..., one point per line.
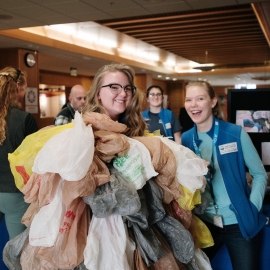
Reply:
x=114, y=94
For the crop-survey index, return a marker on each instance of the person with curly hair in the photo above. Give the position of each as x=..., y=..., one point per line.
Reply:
x=113, y=93
x=15, y=125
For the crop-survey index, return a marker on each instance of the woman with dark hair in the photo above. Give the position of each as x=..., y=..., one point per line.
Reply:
x=234, y=213
x=159, y=118
x=15, y=125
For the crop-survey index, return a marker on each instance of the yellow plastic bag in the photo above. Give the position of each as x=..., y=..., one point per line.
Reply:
x=22, y=159
x=189, y=199
x=201, y=234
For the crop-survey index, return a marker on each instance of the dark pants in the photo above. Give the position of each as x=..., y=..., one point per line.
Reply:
x=245, y=255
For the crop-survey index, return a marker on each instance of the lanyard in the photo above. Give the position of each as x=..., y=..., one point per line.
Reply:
x=210, y=173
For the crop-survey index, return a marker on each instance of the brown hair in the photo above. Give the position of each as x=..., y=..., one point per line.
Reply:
x=9, y=77
x=133, y=117
x=211, y=93
x=151, y=87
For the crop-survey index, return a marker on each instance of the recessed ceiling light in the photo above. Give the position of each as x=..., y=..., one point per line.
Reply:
x=174, y=79
x=159, y=76
x=167, y=78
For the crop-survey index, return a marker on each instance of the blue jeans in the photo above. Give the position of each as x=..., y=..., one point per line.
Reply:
x=12, y=205
x=244, y=255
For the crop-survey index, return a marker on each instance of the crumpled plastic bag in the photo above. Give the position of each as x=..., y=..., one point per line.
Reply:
x=100, y=121
x=201, y=234
x=97, y=175
x=46, y=223
x=189, y=199
x=190, y=167
x=13, y=249
x=22, y=159
x=30, y=259
x=41, y=188
x=202, y=260
x=117, y=196
x=179, y=239
x=67, y=251
x=106, y=246
x=136, y=165
x=110, y=145
x=149, y=245
x=164, y=163
x=199, y=209
x=149, y=249
x=168, y=262
x=68, y=153
x=29, y=214
x=183, y=215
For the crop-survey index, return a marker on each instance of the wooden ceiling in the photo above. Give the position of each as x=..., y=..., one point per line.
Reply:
x=229, y=37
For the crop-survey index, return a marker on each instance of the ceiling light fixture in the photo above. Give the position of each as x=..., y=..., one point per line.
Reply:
x=265, y=77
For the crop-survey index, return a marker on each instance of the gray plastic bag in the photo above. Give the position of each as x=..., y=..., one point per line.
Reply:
x=13, y=250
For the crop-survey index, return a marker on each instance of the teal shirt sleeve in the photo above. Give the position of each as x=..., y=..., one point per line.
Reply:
x=256, y=169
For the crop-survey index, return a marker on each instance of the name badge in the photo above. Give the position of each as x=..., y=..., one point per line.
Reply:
x=228, y=148
x=168, y=125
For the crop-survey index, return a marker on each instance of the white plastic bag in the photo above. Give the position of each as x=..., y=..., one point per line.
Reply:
x=136, y=165
x=107, y=244
x=190, y=167
x=202, y=260
x=68, y=153
x=46, y=223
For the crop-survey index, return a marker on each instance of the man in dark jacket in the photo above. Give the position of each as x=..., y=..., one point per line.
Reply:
x=76, y=102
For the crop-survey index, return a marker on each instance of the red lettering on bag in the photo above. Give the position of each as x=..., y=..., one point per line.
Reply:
x=70, y=214
x=65, y=228
x=21, y=170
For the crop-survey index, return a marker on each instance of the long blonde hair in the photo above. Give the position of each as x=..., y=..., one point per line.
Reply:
x=9, y=77
x=217, y=112
x=132, y=115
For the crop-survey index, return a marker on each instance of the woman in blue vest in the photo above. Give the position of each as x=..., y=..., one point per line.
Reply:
x=158, y=118
x=233, y=214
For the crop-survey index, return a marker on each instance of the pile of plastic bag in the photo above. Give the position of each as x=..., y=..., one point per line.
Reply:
x=100, y=200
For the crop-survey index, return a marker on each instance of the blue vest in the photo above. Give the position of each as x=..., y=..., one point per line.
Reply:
x=249, y=219
x=166, y=119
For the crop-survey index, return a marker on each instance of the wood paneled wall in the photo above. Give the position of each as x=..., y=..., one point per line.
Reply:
x=15, y=57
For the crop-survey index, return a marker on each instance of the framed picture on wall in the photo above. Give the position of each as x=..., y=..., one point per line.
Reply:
x=250, y=108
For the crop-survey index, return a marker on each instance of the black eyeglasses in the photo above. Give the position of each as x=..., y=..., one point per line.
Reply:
x=18, y=74
x=117, y=88
x=155, y=95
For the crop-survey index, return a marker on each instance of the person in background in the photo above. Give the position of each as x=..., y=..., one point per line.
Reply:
x=76, y=102
x=114, y=94
x=234, y=213
x=158, y=118
x=15, y=125
x=185, y=120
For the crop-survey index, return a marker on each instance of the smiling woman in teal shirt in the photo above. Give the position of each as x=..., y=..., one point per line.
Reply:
x=234, y=213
